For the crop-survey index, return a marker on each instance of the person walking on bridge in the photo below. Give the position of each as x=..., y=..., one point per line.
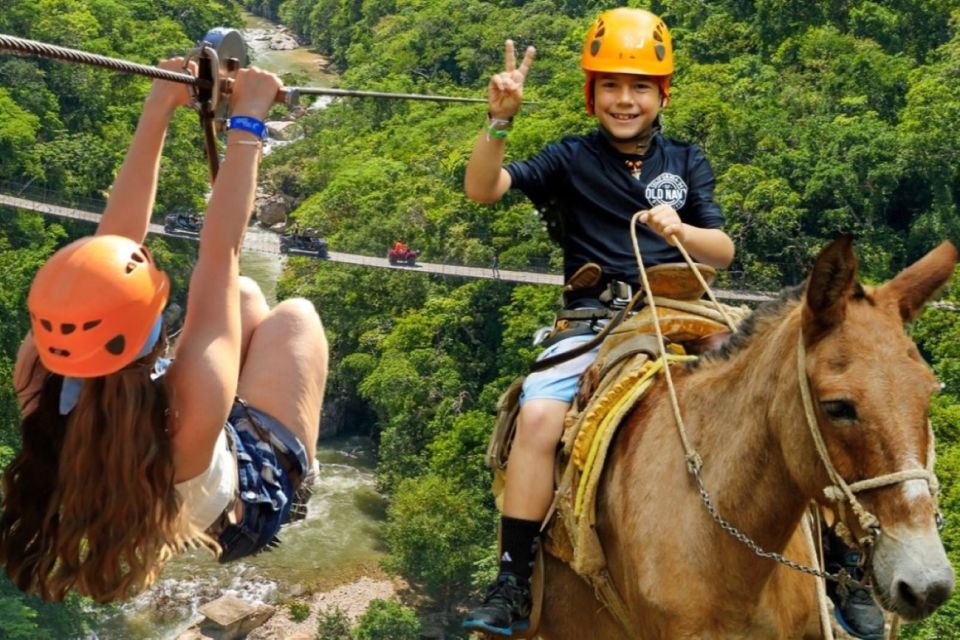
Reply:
x=588, y=187
x=129, y=457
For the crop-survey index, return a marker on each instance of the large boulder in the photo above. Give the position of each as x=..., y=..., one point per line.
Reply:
x=273, y=209
x=283, y=129
x=283, y=40
x=228, y=618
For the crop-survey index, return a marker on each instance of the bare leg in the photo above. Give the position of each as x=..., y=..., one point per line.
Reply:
x=286, y=369
x=253, y=310
x=529, y=482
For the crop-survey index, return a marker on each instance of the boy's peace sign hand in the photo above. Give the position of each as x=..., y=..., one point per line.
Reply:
x=505, y=93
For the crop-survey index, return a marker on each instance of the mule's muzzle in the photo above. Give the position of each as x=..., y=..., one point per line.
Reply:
x=914, y=602
x=912, y=575
x=914, y=597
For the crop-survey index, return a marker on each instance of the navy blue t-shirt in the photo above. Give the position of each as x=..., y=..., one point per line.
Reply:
x=584, y=189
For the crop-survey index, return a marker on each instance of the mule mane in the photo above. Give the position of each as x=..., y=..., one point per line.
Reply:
x=761, y=317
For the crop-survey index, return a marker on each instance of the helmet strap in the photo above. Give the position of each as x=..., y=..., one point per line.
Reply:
x=642, y=139
x=70, y=391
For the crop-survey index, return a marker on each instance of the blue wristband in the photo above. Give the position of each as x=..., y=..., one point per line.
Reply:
x=248, y=124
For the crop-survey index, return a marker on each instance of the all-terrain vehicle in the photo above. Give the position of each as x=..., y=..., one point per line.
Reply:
x=307, y=242
x=400, y=253
x=187, y=223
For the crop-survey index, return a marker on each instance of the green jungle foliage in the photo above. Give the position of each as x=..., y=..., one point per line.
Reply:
x=388, y=620
x=817, y=117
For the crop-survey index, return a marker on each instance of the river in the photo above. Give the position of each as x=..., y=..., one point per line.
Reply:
x=340, y=538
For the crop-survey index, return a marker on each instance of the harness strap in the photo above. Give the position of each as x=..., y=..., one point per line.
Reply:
x=612, y=293
x=580, y=329
x=581, y=349
x=585, y=314
x=284, y=457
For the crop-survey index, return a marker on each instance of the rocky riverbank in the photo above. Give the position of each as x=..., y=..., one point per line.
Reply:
x=353, y=599
x=231, y=617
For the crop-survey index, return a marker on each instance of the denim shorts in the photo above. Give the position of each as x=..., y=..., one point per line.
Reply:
x=265, y=487
x=559, y=382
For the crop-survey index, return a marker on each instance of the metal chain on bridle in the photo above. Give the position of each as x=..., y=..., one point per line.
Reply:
x=842, y=577
x=840, y=492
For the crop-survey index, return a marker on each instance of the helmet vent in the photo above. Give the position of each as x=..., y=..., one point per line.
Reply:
x=135, y=258
x=67, y=328
x=90, y=325
x=46, y=324
x=116, y=345
x=660, y=51
x=59, y=352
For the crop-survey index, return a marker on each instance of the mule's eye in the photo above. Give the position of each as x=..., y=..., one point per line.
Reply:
x=839, y=410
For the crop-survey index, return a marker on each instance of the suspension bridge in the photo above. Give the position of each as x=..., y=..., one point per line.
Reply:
x=269, y=243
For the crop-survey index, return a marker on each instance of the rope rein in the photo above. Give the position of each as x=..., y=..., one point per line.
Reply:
x=839, y=492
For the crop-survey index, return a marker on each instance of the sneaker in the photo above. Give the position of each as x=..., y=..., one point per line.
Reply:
x=505, y=609
x=859, y=615
x=857, y=612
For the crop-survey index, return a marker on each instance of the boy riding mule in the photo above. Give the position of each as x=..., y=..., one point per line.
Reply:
x=588, y=188
x=820, y=395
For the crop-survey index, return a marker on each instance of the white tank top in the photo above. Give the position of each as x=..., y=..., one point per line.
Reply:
x=206, y=496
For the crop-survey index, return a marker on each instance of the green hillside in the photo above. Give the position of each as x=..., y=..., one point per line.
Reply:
x=818, y=117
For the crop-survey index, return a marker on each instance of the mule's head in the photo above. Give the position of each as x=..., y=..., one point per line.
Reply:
x=871, y=390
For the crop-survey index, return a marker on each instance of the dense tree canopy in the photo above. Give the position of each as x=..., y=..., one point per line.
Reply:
x=817, y=116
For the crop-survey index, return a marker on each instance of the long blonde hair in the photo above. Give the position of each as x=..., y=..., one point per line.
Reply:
x=89, y=503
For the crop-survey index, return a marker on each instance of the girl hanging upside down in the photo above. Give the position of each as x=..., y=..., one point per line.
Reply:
x=129, y=457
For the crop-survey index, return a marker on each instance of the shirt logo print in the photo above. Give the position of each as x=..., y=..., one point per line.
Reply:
x=667, y=188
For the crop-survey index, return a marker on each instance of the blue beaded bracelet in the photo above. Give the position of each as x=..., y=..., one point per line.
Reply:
x=248, y=124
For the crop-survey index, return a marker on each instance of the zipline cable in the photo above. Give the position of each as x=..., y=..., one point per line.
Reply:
x=294, y=92
x=22, y=46
x=218, y=57
x=289, y=95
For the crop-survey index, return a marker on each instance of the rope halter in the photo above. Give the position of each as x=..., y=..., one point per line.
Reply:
x=841, y=492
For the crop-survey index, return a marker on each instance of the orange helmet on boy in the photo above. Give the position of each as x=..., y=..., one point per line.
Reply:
x=93, y=305
x=627, y=40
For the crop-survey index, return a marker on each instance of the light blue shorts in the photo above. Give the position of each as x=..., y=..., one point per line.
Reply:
x=559, y=382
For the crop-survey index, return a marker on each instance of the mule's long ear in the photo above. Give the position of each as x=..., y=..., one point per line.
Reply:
x=920, y=281
x=830, y=284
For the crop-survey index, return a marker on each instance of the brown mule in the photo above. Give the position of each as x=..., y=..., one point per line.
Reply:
x=679, y=574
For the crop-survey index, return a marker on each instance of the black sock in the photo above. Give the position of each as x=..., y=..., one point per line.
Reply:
x=518, y=541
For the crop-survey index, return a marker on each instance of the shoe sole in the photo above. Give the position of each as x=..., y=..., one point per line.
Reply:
x=523, y=625
x=846, y=627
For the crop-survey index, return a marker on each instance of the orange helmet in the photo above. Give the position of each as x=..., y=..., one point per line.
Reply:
x=627, y=40
x=93, y=305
